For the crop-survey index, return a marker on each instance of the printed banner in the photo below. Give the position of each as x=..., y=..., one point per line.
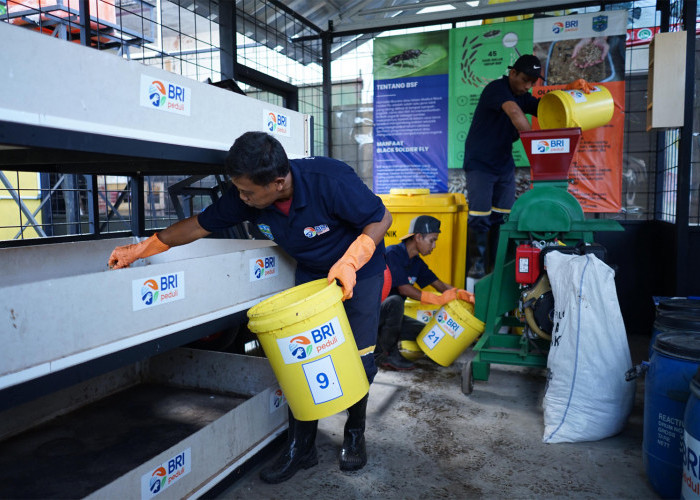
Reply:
x=410, y=112
x=416, y=141
x=480, y=55
x=592, y=47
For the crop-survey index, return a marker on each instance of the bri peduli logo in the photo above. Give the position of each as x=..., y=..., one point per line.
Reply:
x=156, y=93
x=425, y=316
x=271, y=122
x=557, y=28
x=300, y=347
x=276, y=123
x=259, y=268
x=157, y=480
x=149, y=292
x=542, y=146
x=263, y=267
x=449, y=324
x=278, y=398
x=309, y=232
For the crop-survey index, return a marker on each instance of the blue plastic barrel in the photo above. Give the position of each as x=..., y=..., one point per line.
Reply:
x=690, y=487
x=682, y=305
x=677, y=322
x=674, y=361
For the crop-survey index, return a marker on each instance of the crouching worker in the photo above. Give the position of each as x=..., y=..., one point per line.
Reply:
x=284, y=198
x=407, y=270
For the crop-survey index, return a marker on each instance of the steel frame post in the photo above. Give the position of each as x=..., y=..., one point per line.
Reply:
x=326, y=41
x=138, y=216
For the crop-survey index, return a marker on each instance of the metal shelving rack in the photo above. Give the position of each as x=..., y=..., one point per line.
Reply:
x=71, y=328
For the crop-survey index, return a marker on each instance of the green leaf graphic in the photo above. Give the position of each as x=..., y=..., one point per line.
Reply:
x=393, y=61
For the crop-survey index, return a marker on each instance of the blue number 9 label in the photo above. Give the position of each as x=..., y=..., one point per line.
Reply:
x=322, y=380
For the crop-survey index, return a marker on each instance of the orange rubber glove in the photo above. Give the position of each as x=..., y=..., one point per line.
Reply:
x=125, y=255
x=447, y=296
x=356, y=256
x=465, y=296
x=438, y=300
x=581, y=85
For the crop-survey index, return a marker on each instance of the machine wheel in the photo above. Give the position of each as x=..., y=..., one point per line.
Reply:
x=467, y=378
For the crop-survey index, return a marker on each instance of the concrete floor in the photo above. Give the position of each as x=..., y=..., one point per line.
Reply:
x=426, y=439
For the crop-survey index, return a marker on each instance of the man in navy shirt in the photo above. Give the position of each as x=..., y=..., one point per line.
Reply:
x=407, y=270
x=324, y=216
x=488, y=153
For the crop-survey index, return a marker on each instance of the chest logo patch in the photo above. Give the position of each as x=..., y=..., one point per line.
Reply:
x=265, y=229
x=310, y=231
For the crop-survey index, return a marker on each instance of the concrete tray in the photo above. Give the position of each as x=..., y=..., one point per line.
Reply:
x=61, y=306
x=168, y=427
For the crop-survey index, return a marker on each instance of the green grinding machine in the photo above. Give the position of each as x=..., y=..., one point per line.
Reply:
x=516, y=295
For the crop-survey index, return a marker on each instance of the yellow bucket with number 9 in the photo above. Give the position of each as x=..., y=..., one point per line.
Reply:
x=306, y=336
x=449, y=332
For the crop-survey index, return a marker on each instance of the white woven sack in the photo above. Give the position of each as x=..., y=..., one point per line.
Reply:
x=587, y=397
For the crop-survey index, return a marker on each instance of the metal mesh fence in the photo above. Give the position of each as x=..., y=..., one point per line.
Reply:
x=185, y=37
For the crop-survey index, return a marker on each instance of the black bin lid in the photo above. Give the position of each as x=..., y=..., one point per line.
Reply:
x=679, y=345
x=678, y=321
x=679, y=304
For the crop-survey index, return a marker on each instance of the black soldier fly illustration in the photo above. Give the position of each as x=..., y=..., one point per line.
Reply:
x=405, y=58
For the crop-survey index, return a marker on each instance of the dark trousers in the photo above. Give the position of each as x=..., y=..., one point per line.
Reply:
x=363, y=315
x=491, y=197
x=394, y=325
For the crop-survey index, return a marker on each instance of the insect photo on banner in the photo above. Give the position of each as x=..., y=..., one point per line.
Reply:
x=419, y=54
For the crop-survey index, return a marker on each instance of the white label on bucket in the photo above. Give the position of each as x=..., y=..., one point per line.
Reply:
x=424, y=315
x=263, y=267
x=434, y=336
x=322, y=379
x=312, y=343
x=448, y=323
x=549, y=146
x=577, y=96
x=691, y=470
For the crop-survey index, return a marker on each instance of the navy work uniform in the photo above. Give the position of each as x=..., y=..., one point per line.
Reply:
x=330, y=207
x=404, y=271
x=488, y=155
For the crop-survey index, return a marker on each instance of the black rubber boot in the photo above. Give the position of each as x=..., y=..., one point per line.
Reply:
x=393, y=359
x=353, y=455
x=477, y=247
x=300, y=452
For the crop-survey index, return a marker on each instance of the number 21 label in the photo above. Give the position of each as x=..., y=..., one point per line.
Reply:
x=322, y=379
x=433, y=337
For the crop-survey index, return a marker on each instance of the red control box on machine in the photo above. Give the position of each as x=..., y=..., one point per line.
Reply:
x=527, y=264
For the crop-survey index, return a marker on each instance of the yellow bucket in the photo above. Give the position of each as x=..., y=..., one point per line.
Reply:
x=421, y=312
x=573, y=108
x=306, y=336
x=450, y=332
x=409, y=349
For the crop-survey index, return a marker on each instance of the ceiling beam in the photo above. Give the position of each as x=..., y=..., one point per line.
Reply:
x=465, y=13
